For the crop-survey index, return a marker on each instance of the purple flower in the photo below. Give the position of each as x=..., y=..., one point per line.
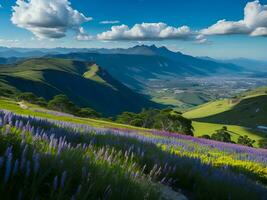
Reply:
x=55, y=183
x=16, y=167
x=63, y=179
x=8, y=167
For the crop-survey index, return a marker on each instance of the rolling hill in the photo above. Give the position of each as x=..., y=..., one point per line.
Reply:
x=248, y=109
x=85, y=83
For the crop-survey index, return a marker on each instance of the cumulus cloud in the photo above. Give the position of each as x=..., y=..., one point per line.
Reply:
x=83, y=36
x=110, y=22
x=254, y=22
x=47, y=18
x=201, y=39
x=146, y=32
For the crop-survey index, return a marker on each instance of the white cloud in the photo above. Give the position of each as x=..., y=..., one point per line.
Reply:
x=83, y=36
x=254, y=22
x=110, y=22
x=47, y=18
x=201, y=39
x=147, y=32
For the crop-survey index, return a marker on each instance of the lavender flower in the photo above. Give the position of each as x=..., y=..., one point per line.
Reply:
x=16, y=167
x=55, y=183
x=8, y=167
x=63, y=179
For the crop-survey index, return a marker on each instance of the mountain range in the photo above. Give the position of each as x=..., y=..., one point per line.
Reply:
x=136, y=66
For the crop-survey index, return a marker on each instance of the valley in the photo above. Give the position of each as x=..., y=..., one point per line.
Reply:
x=136, y=111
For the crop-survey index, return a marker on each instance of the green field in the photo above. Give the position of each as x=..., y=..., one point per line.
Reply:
x=241, y=115
x=202, y=128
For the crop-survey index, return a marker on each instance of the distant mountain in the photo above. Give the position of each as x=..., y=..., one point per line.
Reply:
x=135, y=66
x=6, y=52
x=248, y=64
x=85, y=83
x=8, y=60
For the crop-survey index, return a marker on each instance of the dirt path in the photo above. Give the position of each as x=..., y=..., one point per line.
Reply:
x=22, y=105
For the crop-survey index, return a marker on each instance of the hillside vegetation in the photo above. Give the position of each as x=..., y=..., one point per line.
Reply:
x=248, y=111
x=86, y=84
x=241, y=114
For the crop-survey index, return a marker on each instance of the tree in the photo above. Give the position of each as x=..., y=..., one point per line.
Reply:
x=222, y=135
x=166, y=119
x=245, y=140
x=205, y=137
x=88, y=112
x=63, y=104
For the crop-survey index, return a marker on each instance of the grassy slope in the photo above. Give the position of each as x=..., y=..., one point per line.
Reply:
x=84, y=83
x=203, y=128
x=254, y=98
x=200, y=127
x=247, y=110
x=33, y=110
x=209, y=109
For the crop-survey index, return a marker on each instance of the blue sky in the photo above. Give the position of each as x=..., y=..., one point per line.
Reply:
x=232, y=38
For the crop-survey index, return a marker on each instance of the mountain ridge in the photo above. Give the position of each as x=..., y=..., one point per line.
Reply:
x=47, y=77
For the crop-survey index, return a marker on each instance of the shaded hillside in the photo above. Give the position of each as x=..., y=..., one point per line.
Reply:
x=48, y=77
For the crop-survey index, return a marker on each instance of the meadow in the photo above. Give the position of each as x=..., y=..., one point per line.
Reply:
x=52, y=159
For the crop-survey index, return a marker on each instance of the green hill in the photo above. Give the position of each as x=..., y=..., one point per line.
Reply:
x=248, y=109
x=86, y=84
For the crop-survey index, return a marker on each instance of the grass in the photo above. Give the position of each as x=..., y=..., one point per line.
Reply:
x=92, y=74
x=202, y=128
x=209, y=109
x=170, y=101
x=34, y=110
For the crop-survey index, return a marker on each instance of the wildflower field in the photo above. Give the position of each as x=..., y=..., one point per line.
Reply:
x=50, y=159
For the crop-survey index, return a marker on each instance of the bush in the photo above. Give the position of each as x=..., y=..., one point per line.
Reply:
x=166, y=119
x=88, y=112
x=222, y=135
x=245, y=140
x=62, y=103
x=263, y=143
x=31, y=98
x=205, y=137
x=27, y=96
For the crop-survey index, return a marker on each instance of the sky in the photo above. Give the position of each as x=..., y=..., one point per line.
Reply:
x=215, y=28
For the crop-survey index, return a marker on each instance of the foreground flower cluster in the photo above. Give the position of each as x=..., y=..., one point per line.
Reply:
x=46, y=159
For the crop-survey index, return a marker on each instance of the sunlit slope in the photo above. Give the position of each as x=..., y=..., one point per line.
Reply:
x=85, y=83
x=249, y=111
